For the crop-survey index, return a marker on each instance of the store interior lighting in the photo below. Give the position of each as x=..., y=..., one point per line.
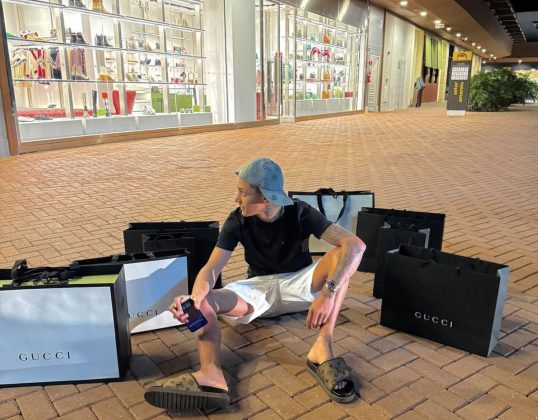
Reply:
x=423, y=13
x=448, y=29
x=403, y=3
x=437, y=21
x=458, y=34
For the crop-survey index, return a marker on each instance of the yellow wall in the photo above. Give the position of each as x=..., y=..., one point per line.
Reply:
x=443, y=69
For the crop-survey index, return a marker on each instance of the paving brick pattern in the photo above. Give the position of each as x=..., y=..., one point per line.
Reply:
x=480, y=170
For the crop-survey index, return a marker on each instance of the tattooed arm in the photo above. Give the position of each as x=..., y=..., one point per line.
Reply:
x=352, y=250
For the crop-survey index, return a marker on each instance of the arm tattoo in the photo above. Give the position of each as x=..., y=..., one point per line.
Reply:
x=350, y=252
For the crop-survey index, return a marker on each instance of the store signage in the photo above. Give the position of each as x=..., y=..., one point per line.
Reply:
x=460, y=78
x=439, y=26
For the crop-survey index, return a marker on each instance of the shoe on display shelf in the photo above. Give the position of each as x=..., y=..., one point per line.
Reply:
x=43, y=117
x=77, y=3
x=11, y=36
x=102, y=41
x=80, y=39
x=148, y=110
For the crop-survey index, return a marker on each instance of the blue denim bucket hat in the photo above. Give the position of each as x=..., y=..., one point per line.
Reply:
x=265, y=174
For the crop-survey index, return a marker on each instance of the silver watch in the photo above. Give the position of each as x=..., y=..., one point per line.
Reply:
x=332, y=287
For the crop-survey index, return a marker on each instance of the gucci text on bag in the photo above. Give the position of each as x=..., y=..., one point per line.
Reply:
x=433, y=319
x=144, y=314
x=59, y=355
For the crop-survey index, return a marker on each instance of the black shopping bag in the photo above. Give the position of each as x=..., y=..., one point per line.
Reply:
x=152, y=280
x=205, y=238
x=369, y=220
x=390, y=237
x=340, y=207
x=452, y=299
x=60, y=325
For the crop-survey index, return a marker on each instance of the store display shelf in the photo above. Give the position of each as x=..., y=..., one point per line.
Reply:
x=309, y=41
x=122, y=17
x=117, y=123
x=38, y=44
x=195, y=118
x=111, y=82
x=322, y=106
x=326, y=25
x=71, y=127
x=59, y=127
x=152, y=122
x=324, y=63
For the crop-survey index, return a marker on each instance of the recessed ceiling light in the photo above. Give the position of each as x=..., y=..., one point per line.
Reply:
x=423, y=13
x=403, y=3
x=491, y=55
x=473, y=43
x=484, y=50
x=448, y=28
x=495, y=57
x=458, y=34
x=465, y=39
x=437, y=21
x=478, y=47
x=519, y=61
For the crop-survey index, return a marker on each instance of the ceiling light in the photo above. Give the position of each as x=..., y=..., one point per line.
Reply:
x=478, y=47
x=473, y=43
x=403, y=3
x=519, y=61
x=491, y=55
x=484, y=50
x=423, y=13
x=465, y=39
x=448, y=28
x=458, y=34
x=437, y=21
x=495, y=57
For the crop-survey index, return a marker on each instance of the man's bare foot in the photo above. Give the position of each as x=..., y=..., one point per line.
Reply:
x=211, y=376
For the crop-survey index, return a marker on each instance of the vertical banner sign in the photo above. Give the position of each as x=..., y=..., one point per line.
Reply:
x=460, y=79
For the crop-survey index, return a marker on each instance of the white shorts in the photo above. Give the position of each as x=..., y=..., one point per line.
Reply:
x=275, y=294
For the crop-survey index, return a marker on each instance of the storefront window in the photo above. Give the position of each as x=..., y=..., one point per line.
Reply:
x=82, y=67
x=321, y=64
x=268, y=60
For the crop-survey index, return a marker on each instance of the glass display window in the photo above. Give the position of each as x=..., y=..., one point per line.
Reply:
x=321, y=65
x=91, y=67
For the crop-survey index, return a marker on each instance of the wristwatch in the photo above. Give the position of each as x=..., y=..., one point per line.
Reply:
x=332, y=287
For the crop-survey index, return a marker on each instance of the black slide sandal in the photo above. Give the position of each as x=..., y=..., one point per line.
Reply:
x=183, y=393
x=331, y=372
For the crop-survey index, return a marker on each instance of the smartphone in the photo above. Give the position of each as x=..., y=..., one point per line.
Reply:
x=196, y=318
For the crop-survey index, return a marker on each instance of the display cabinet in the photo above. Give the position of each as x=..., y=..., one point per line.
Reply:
x=82, y=67
x=320, y=69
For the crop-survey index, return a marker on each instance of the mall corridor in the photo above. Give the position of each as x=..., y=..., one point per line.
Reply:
x=480, y=170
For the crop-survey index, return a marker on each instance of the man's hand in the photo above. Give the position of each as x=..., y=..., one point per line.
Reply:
x=177, y=311
x=319, y=311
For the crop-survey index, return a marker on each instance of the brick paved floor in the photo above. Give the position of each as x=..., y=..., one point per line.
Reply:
x=480, y=170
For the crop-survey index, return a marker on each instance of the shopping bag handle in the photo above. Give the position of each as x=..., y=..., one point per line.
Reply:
x=427, y=263
x=20, y=274
x=330, y=191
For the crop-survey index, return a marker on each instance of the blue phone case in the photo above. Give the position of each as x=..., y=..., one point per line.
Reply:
x=196, y=319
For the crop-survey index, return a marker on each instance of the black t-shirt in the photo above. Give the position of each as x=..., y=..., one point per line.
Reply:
x=277, y=247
